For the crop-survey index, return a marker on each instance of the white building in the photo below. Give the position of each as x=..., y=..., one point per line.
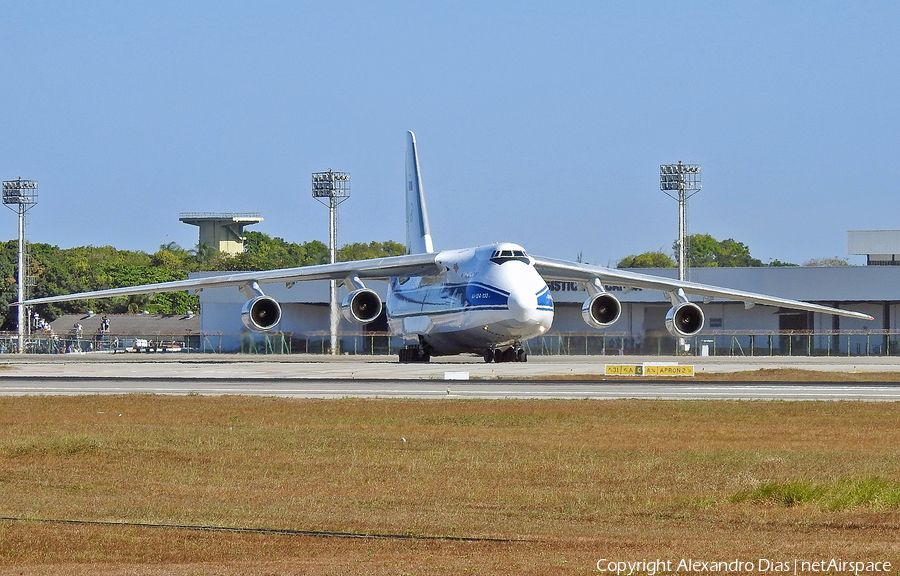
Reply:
x=880, y=247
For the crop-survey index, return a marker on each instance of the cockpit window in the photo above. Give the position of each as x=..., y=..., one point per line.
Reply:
x=503, y=256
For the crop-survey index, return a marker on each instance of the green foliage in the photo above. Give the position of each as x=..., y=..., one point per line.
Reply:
x=170, y=259
x=705, y=251
x=204, y=253
x=702, y=251
x=362, y=251
x=783, y=493
x=647, y=260
x=9, y=256
x=847, y=494
x=262, y=252
x=67, y=271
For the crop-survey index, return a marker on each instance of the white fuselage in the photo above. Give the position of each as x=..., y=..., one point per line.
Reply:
x=487, y=297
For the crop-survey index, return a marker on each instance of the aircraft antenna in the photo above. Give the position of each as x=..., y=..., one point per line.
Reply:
x=19, y=196
x=331, y=189
x=680, y=181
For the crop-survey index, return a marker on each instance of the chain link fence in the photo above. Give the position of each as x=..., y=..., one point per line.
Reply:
x=709, y=343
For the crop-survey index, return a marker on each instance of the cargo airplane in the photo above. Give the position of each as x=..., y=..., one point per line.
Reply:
x=486, y=300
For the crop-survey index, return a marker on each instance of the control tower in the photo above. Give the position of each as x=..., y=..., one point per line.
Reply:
x=222, y=230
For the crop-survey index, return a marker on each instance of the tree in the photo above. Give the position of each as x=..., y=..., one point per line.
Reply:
x=702, y=250
x=705, y=251
x=67, y=271
x=173, y=257
x=363, y=251
x=826, y=262
x=9, y=258
x=169, y=260
x=205, y=253
x=647, y=260
x=264, y=250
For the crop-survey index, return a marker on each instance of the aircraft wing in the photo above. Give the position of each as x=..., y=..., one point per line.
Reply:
x=376, y=268
x=554, y=269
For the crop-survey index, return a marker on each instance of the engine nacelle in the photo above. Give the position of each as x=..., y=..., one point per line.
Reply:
x=261, y=313
x=683, y=320
x=601, y=310
x=361, y=306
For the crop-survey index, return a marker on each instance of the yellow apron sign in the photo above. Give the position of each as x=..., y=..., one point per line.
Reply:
x=648, y=370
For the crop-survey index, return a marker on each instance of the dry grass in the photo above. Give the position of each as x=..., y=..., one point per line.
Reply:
x=795, y=375
x=565, y=483
x=760, y=375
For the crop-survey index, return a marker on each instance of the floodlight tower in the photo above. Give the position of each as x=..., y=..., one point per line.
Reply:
x=332, y=188
x=683, y=179
x=19, y=196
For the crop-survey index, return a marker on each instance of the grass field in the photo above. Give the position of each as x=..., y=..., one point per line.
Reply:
x=475, y=487
x=775, y=375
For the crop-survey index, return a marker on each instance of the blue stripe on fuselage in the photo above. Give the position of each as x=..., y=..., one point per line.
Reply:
x=545, y=300
x=441, y=298
x=480, y=295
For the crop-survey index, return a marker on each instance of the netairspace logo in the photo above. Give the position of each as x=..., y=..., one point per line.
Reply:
x=759, y=566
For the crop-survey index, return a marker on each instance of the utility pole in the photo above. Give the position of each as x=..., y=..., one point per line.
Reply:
x=680, y=181
x=20, y=195
x=332, y=188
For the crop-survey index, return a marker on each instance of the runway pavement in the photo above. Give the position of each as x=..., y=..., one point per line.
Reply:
x=455, y=377
x=387, y=367
x=314, y=388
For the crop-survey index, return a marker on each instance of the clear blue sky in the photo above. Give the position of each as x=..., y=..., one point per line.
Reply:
x=540, y=123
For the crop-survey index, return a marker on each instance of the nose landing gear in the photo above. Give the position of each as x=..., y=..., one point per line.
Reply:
x=512, y=354
x=420, y=352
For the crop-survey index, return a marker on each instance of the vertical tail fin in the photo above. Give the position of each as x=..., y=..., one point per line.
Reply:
x=418, y=233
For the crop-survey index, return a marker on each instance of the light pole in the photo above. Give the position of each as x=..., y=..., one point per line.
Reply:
x=20, y=195
x=332, y=188
x=683, y=179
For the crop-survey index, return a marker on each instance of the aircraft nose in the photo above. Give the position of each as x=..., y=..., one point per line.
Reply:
x=523, y=305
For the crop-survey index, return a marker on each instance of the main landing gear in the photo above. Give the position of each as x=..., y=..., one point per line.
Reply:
x=414, y=353
x=511, y=354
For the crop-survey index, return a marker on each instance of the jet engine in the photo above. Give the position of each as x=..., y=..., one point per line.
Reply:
x=601, y=310
x=684, y=319
x=261, y=313
x=361, y=306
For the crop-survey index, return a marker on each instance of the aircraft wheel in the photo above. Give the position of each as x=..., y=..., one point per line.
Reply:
x=488, y=355
x=414, y=354
x=521, y=355
x=498, y=356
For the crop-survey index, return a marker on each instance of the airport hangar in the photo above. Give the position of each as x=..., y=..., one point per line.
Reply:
x=873, y=289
